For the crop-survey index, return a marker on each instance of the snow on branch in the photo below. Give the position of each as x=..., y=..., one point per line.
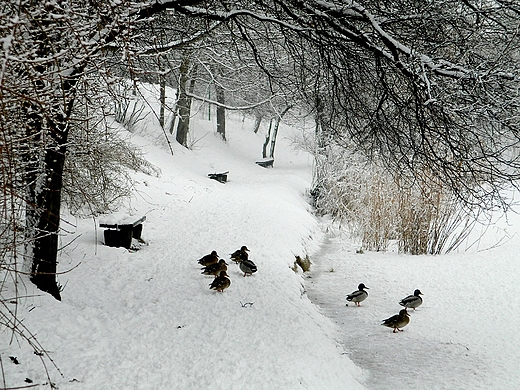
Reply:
x=173, y=45
x=444, y=68
x=227, y=107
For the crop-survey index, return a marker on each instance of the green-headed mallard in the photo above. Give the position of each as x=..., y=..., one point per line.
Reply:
x=412, y=301
x=358, y=296
x=247, y=267
x=215, y=269
x=212, y=258
x=397, y=321
x=221, y=282
x=240, y=254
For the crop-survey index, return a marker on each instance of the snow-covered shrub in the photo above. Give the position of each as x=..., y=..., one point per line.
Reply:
x=97, y=172
x=128, y=109
x=378, y=207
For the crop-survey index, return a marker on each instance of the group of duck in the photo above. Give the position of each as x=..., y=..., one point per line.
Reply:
x=397, y=321
x=213, y=265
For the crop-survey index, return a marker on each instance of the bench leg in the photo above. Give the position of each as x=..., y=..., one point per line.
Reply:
x=137, y=230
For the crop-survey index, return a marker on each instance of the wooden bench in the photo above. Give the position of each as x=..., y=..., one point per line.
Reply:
x=266, y=163
x=220, y=177
x=120, y=233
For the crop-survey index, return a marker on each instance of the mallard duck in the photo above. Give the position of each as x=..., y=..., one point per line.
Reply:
x=215, y=269
x=221, y=282
x=247, y=267
x=212, y=258
x=358, y=296
x=397, y=321
x=240, y=254
x=412, y=301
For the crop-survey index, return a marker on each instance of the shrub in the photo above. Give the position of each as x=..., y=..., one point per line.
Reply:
x=377, y=207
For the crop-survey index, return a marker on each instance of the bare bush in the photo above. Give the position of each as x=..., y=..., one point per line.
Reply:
x=378, y=207
x=97, y=173
x=128, y=110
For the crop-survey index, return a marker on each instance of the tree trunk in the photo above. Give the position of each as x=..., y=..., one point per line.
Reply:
x=267, y=137
x=184, y=102
x=258, y=120
x=273, y=137
x=221, y=111
x=162, y=97
x=275, y=130
x=32, y=178
x=45, y=250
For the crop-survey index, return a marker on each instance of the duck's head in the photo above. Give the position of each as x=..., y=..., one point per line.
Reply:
x=223, y=273
x=244, y=248
x=403, y=313
x=222, y=261
x=362, y=286
x=214, y=253
x=417, y=292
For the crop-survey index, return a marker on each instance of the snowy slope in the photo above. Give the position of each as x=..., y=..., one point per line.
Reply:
x=148, y=320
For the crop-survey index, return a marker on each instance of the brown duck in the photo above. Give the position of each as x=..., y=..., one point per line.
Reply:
x=240, y=254
x=212, y=258
x=215, y=269
x=397, y=321
x=221, y=282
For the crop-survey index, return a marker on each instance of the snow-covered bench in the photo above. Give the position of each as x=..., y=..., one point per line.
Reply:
x=220, y=177
x=266, y=162
x=119, y=232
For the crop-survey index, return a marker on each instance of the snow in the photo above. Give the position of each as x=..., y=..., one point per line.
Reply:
x=148, y=320
x=463, y=336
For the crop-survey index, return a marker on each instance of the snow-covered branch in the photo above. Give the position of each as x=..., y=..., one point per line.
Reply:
x=234, y=108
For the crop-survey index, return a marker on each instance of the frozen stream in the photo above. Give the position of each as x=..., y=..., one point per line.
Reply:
x=464, y=336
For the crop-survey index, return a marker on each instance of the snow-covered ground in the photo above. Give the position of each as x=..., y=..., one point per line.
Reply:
x=465, y=334
x=148, y=320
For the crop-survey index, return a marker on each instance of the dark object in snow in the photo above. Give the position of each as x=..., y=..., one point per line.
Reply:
x=220, y=177
x=221, y=282
x=212, y=258
x=14, y=359
x=240, y=254
x=358, y=296
x=304, y=264
x=412, y=301
x=266, y=163
x=248, y=267
x=215, y=269
x=120, y=234
x=28, y=380
x=397, y=321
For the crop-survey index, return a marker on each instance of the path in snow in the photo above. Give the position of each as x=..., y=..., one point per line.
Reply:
x=457, y=339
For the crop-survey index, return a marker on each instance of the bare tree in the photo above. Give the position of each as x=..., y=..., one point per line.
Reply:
x=420, y=85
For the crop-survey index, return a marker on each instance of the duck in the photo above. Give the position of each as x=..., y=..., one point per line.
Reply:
x=221, y=282
x=358, y=296
x=412, y=301
x=212, y=258
x=397, y=321
x=240, y=254
x=248, y=267
x=215, y=269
